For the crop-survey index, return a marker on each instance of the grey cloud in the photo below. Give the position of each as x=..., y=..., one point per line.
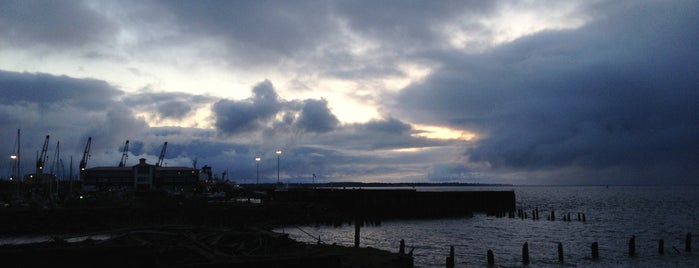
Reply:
x=619, y=93
x=67, y=109
x=45, y=89
x=384, y=134
x=258, y=113
x=388, y=126
x=263, y=30
x=54, y=24
x=167, y=105
x=315, y=116
x=234, y=117
x=408, y=25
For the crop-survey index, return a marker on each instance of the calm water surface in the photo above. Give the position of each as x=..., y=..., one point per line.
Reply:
x=613, y=215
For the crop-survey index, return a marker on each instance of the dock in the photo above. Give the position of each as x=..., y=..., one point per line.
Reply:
x=386, y=204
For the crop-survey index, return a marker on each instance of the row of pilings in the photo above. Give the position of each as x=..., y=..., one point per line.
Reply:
x=522, y=214
x=594, y=251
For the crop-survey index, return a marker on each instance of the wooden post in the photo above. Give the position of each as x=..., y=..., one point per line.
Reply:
x=356, y=233
x=553, y=215
x=632, y=246
x=688, y=243
x=579, y=219
x=491, y=258
x=560, y=252
x=401, y=248
x=450, y=259
x=525, y=253
x=583, y=217
x=661, y=247
x=595, y=251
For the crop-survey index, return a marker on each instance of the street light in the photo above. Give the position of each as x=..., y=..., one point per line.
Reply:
x=279, y=152
x=257, y=160
x=14, y=167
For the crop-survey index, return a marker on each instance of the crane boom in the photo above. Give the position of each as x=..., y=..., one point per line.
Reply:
x=41, y=158
x=162, y=156
x=124, y=155
x=86, y=155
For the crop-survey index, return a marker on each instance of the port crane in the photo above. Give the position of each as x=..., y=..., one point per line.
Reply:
x=86, y=155
x=162, y=156
x=41, y=158
x=125, y=154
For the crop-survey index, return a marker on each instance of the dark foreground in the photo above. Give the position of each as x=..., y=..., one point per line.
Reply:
x=189, y=246
x=160, y=231
x=155, y=230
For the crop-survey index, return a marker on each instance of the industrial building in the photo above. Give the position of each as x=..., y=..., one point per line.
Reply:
x=141, y=177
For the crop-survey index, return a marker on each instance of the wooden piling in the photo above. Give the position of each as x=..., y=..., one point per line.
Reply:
x=579, y=218
x=525, y=253
x=401, y=248
x=553, y=215
x=560, y=252
x=661, y=247
x=632, y=246
x=583, y=217
x=595, y=251
x=450, y=259
x=356, y=233
x=491, y=258
x=688, y=243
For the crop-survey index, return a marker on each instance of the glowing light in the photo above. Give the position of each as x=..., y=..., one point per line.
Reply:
x=442, y=133
x=408, y=150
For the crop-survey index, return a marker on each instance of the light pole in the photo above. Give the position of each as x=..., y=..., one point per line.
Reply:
x=279, y=152
x=257, y=160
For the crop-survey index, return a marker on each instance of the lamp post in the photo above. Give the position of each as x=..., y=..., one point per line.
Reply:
x=14, y=167
x=257, y=160
x=279, y=152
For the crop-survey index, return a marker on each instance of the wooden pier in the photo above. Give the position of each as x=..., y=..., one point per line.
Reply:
x=403, y=203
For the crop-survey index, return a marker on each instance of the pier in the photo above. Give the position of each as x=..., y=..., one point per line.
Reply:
x=402, y=203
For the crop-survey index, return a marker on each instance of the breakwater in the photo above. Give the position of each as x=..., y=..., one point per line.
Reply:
x=402, y=203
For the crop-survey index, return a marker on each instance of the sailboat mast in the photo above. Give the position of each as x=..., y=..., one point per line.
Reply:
x=19, y=169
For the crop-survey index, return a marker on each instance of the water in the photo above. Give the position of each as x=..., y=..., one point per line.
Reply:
x=613, y=215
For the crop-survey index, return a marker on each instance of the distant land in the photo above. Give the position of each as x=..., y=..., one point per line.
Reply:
x=387, y=184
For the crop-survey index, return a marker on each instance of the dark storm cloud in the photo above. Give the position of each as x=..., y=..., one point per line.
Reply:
x=315, y=116
x=620, y=92
x=390, y=126
x=45, y=89
x=380, y=134
x=259, y=112
x=67, y=109
x=233, y=117
x=54, y=24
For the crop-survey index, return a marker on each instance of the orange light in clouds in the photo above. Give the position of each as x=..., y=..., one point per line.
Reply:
x=442, y=133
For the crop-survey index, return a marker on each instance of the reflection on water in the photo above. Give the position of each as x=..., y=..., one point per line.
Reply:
x=612, y=215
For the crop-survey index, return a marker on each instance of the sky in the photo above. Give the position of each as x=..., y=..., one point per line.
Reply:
x=517, y=92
